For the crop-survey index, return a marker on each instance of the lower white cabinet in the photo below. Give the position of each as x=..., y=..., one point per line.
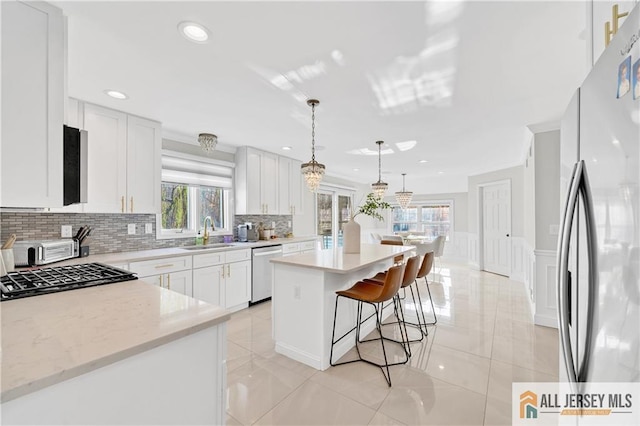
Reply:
x=291, y=249
x=207, y=284
x=223, y=278
x=171, y=273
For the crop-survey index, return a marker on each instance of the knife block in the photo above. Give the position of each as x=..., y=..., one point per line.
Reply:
x=84, y=251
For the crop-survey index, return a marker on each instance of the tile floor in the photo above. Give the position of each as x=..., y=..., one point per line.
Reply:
x=460, y=375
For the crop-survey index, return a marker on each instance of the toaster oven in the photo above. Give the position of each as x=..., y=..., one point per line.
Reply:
x=36, y=253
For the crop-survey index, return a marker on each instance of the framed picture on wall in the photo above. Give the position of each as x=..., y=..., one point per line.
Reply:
x=635, y=74
x=624, y=73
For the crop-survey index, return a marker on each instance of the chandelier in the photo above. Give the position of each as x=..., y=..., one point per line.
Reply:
x=380, y=187
x=208, y=141
x=404, y=197
x=313, y=171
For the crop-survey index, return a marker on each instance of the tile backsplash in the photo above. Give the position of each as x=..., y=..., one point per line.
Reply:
x=109, y=230
x=282, y=223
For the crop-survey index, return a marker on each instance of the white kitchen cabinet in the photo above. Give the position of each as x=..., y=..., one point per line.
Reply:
x=289, y=186
x=207, y=284
x=237, y=283
x=171, y=273
x=302, y=247
x=31, y=166
x=223, y=278
x=124, y=162
x=256, y=181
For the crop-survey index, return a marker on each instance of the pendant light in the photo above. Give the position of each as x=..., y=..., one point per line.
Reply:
x=404, y=197
x=380, y=187
x=313, y=171
x=208, y=141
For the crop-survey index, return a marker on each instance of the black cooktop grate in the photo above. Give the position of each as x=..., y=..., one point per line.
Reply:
x=33, y=282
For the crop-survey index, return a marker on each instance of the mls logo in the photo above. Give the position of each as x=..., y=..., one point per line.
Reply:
x=528, y=405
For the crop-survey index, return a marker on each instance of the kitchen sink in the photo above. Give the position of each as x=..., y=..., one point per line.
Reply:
x=207, y=247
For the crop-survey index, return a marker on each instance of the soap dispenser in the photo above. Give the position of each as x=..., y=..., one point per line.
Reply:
x=199, y=238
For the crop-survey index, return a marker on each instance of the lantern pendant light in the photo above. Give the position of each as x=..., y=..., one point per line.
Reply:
x=380, y=187
x=404, y=197
x=313, y=171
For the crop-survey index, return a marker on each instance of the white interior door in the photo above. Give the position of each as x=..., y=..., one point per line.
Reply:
x=496, y=227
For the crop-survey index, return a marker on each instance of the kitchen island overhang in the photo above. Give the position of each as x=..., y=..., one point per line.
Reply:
x=303, y=300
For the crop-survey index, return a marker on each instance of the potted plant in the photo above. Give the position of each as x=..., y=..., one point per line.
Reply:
x=351, y=229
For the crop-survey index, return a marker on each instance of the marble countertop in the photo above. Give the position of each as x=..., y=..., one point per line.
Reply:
x=335, y=260
x=51, y=338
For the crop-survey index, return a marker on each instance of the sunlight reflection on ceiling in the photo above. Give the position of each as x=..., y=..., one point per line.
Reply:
x=426, y=78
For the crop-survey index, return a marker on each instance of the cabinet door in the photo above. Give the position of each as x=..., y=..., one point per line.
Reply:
x=269, y=182
x=284, y=185
x=182, y=282
x=32, y=105
x=237, y=283
x=207, y=284
x=144, y=145
x=253, y=187
x=107, y=188
x=296, y=187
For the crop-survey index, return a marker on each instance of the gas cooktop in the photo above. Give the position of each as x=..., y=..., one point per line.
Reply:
x=34, y=282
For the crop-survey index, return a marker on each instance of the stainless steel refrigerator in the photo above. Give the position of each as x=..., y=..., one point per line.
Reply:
x=599, y=244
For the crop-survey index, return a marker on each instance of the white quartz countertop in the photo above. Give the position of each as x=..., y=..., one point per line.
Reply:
x=133, y=256
x=335, y=260
x=51, y=338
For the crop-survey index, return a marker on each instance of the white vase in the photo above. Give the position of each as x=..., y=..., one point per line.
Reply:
x=351, y=236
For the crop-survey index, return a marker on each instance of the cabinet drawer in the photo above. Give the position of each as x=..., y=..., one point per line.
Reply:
x=290, y=248
x=237, y=255
x=208, y=259
x=160, y=266
x=308, y=245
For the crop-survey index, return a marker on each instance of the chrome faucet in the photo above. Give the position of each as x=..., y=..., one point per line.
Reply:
x=205, y=238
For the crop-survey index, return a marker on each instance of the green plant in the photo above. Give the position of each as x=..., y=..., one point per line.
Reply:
x=371, y=206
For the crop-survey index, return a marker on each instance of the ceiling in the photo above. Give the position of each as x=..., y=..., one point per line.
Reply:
x=454, y=83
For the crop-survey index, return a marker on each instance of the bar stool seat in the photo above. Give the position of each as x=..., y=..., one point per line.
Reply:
x=425, y=268
x=372, y=294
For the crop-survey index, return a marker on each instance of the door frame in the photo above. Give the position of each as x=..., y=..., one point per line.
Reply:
x=480, y=207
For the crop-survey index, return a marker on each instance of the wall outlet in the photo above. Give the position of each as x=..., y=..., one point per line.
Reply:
x=289, y=224
x=131, y=229
x=65, y=231
x=148, y=228
x=273, y=225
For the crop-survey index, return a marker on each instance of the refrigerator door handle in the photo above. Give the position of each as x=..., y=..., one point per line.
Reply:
x=592, y=255
x=563, y=270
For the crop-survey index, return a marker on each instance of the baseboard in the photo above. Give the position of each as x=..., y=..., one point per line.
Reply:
x=545, y=321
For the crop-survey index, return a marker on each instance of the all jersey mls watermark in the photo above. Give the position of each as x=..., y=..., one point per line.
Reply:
x=578, y=404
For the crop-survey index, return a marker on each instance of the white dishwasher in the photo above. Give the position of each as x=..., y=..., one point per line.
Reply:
x=262, y=274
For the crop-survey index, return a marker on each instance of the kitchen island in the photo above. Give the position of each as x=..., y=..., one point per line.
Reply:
x=303, y=299
x=123, y=353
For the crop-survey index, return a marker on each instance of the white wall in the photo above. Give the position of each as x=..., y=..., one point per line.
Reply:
x=547, y=188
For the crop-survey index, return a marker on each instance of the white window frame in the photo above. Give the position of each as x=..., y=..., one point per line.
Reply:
x=227, y=200
x=419, y=204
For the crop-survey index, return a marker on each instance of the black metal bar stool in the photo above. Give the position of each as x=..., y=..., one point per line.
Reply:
x=409, y=277
x=425, y=268
x=372, y=294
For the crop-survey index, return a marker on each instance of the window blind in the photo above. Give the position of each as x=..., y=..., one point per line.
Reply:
x=180, y=168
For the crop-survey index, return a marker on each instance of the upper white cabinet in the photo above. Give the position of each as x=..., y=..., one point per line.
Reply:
x=256, y=182
x=124, y=162
x=289, y=186
x=32, y=104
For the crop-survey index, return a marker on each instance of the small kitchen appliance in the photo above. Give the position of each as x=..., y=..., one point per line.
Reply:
x=37, y=253
x=242, y=233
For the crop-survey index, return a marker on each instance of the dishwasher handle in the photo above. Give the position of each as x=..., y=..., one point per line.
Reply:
x=267, y=253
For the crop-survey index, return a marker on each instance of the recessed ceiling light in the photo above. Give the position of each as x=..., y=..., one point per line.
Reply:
x=116, y=94
x=424, y=161
x=440, y=173
x=193, y=32
x=356, y=170
x=286, y=148
x=616, y=142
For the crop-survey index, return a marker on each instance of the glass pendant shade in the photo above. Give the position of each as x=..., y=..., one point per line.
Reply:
x=379, y=188
x=208, y=141
x=404, y=197
x=313, y=171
